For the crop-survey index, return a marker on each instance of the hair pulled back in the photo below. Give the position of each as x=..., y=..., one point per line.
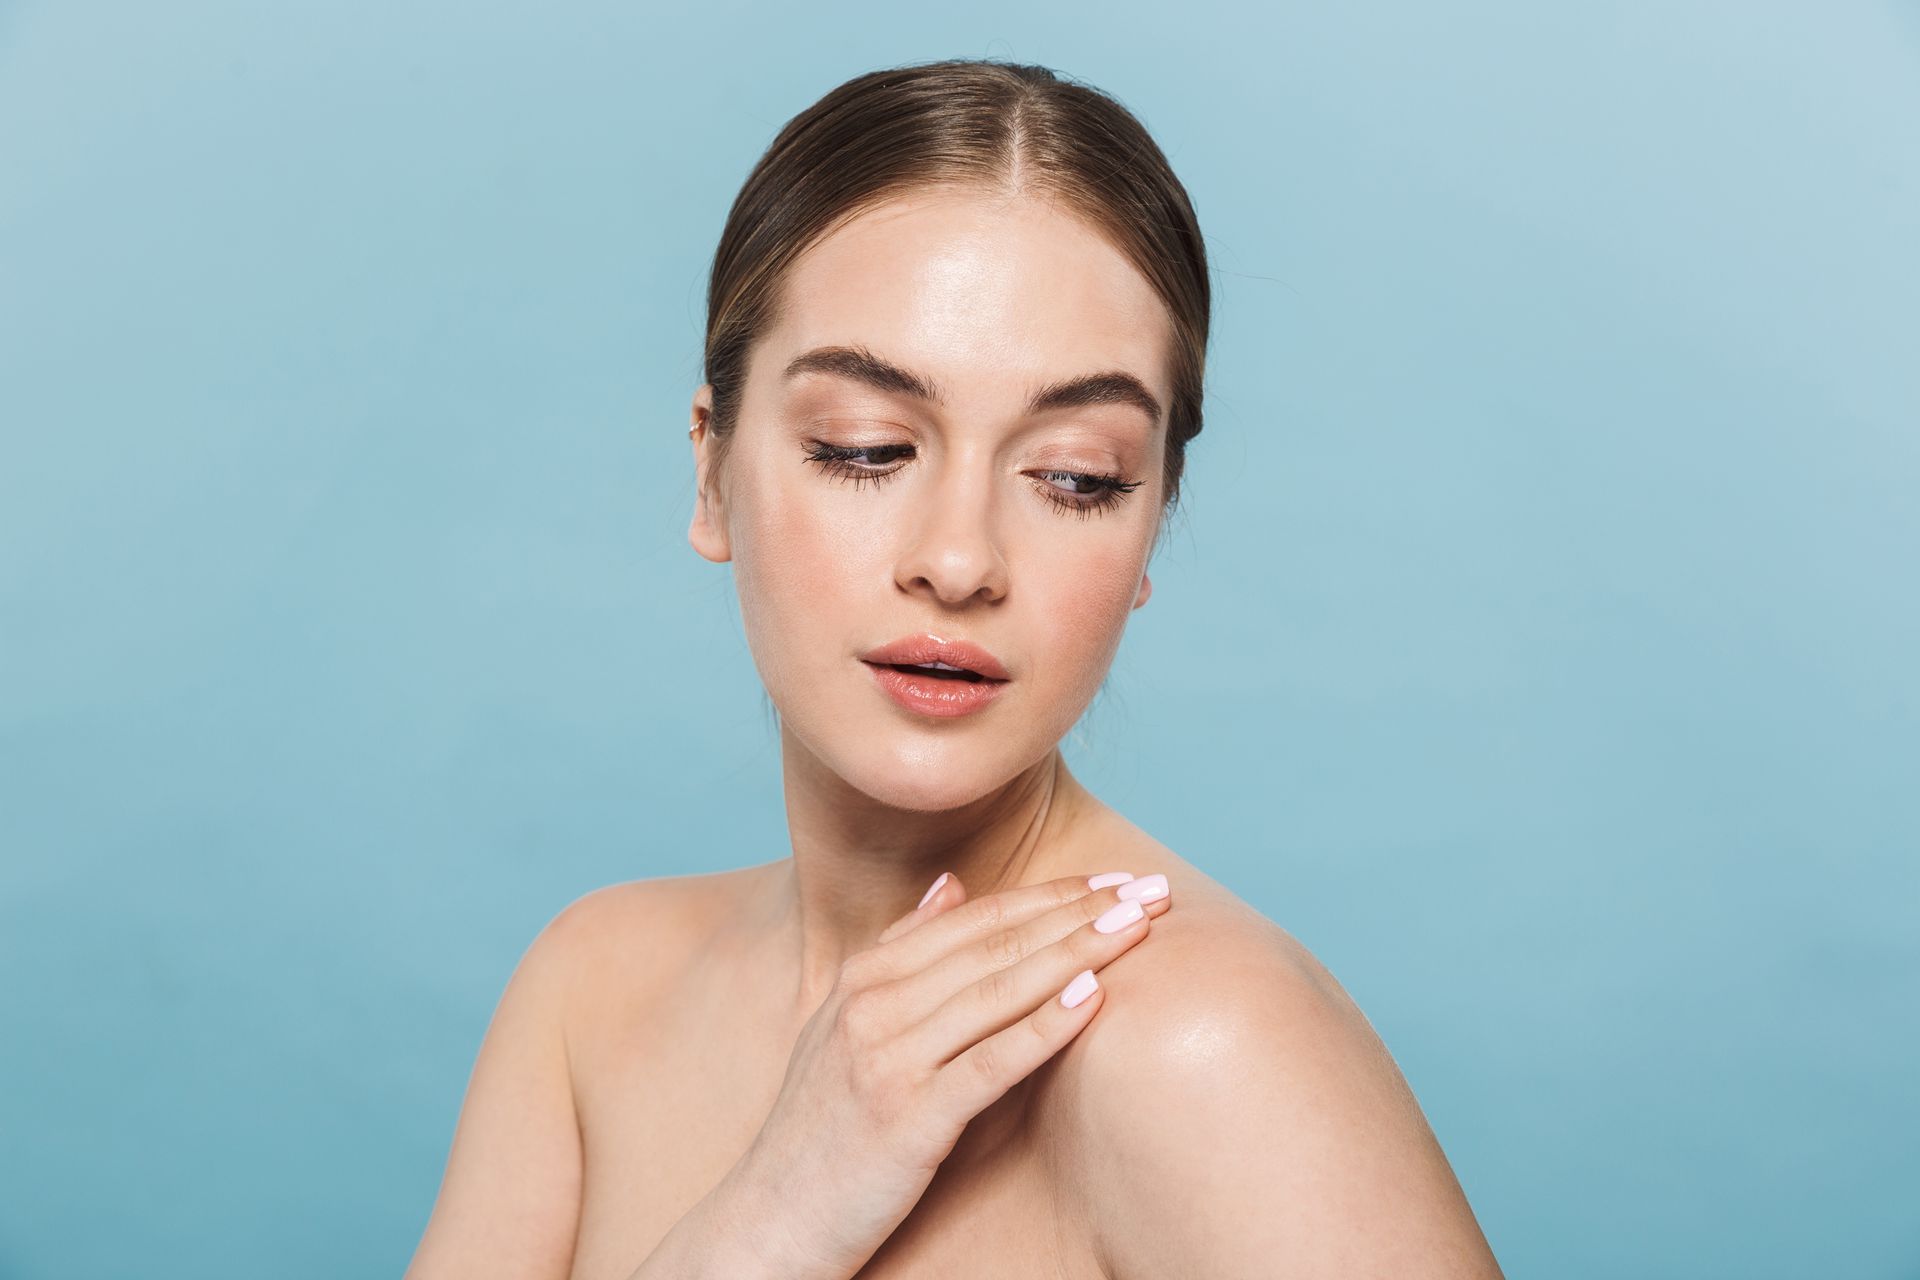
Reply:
x=982, y=124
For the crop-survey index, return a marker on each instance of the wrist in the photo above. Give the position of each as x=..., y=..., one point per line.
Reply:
x=734, y=1232
x=752, y=1227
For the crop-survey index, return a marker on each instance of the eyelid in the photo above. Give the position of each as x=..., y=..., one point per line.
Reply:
x=1097, y=437
x=1085, y=464
x=836, y=460
x=831, y=421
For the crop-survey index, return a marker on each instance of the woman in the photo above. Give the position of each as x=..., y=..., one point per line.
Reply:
x=957, y=323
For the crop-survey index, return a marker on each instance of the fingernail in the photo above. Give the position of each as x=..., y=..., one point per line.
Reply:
x=1079, y=989
x=1106, y=878
x=1119, y=916
x=1146, y=888
x=928, y=895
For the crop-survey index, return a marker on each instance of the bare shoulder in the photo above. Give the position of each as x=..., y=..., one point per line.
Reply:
x=670, y=908
x=1230, y=1090
x=621, y=942
x=509, y=1199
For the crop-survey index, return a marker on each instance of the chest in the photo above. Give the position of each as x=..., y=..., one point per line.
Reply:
x=669, y=1100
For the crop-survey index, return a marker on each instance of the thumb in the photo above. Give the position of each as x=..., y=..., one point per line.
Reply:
x=945, y=892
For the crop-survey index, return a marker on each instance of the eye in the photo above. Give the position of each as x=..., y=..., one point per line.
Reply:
x=1108, y=491
x=845, y=462
x=838, y=460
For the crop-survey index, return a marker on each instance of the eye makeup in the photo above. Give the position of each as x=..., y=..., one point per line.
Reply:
x=841, y=461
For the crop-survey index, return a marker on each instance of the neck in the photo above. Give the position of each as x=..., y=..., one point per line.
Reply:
x=859, y=865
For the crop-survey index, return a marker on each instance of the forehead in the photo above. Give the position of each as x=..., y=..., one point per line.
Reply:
x=990, y=294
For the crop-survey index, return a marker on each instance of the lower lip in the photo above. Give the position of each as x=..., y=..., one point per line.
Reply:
x=932, y=696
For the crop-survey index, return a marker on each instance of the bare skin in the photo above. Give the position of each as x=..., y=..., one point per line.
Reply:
x=1228, y=1112
x=666, y=1116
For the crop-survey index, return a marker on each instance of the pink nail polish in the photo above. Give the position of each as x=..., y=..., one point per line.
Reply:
x=1146, y=888
x=1106, y=878
x=927, y=897
x=1119, y=916
x=1079, y=989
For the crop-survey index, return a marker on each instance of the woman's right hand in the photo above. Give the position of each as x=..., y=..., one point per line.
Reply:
x=954, y=1004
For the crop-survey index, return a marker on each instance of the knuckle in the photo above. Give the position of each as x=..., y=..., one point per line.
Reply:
x=860, y=1015
x=990, y=913
x=1005, y=947
x=986, y=1061
x=997, y=989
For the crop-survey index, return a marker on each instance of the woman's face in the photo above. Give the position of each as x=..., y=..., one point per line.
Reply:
x=857, y=511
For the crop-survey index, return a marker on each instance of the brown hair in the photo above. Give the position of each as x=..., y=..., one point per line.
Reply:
x=973, y=123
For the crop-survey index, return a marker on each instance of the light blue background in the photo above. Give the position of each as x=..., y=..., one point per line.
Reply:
x=1539, y=646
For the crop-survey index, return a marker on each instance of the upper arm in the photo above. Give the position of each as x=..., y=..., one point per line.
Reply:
x=1242, y=1119
x=509, y=1202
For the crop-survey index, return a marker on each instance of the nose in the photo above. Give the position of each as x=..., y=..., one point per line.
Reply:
x=952, y=552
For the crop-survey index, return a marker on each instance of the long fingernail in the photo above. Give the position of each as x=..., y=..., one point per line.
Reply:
x=1106, y=878
x=1119, y=916
x=1146, y=888
x=928, y=895
x=1079, y=989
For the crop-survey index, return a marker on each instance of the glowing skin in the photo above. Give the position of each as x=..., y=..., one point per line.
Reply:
x=989, y=298
x=1228, y=1110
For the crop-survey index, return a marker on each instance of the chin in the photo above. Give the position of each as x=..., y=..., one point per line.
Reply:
x=897, y=768
x=929, y=767
x=933, y=780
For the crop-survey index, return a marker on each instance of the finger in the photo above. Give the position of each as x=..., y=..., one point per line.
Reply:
x=978, y=1078
x=910, y=952
x=1005, y=978
x=1014, y=941
x=947, y=891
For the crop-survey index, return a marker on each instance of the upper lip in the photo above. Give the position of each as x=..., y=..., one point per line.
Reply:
x=927, y=647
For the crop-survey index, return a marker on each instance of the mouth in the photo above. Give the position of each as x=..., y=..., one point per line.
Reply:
x=938, y=672
x=930, y=657
x=937, y=689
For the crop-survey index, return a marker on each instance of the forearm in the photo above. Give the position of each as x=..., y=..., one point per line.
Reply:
x=731, y=1234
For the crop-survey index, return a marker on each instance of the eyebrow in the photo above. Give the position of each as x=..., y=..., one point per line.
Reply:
x=1115, y=386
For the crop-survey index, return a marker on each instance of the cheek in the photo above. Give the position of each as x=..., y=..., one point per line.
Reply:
x=794, y=559
x=1087, y=600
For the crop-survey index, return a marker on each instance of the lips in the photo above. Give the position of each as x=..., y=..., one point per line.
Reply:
x=928, y=648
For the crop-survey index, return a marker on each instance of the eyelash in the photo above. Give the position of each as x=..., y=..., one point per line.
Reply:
x=838, y=460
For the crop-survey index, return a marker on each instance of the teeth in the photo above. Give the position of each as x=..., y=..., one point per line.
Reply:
x=936, y=666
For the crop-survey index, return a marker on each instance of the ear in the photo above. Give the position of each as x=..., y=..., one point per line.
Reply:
x=1146, y=590
x=708, y=533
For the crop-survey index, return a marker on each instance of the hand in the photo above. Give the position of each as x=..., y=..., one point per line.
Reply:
x=954, y=1004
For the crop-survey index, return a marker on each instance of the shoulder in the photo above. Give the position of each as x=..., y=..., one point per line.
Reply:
x=1231, y=1092
x=621, y=941
x=655, y=916
x=509, y=1199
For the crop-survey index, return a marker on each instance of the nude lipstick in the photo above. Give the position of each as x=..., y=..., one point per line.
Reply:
x=936, y=677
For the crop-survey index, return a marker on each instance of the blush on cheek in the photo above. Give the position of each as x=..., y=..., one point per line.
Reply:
x=1090, y=601
x=1108, y=583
